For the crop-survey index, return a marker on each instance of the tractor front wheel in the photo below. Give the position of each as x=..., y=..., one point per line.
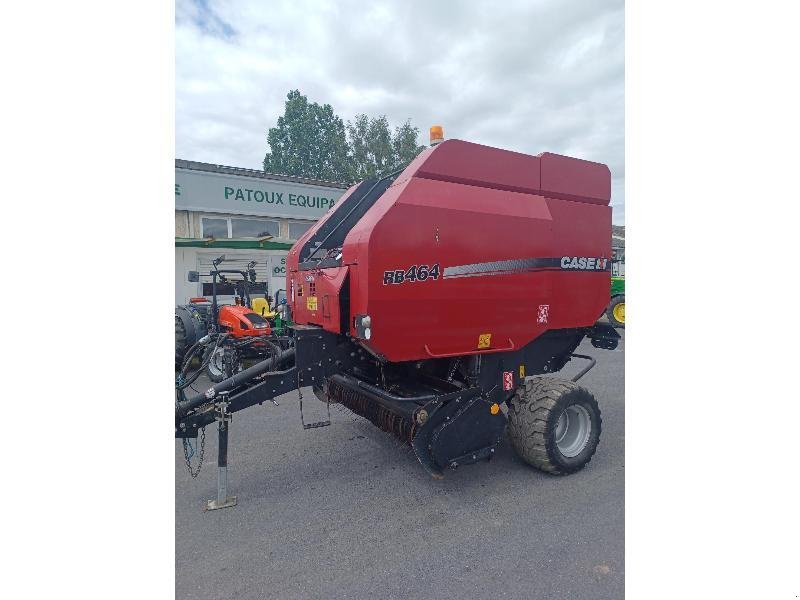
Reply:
x=616, y=311
x=554, y=425
x=214, y=356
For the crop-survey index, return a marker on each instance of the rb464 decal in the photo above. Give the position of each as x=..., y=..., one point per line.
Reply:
x=413, y=273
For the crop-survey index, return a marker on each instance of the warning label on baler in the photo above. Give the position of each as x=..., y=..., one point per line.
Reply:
x=508, y=380
x=484, y=340
x=543, y=313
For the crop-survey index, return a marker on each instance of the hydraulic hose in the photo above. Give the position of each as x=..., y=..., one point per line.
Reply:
x=201, y=343
x=240, y=378
x=191, y=351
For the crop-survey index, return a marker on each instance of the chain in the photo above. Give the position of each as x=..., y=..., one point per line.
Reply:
x=193, y=473
x=300, y=397
x=453, y=368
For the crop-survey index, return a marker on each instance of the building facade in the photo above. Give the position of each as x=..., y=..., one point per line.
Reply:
x=245, y=214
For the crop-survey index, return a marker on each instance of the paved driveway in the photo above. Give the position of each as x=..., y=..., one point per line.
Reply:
x=347, y=512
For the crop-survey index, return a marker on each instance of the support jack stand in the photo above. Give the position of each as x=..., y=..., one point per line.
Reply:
x=223, y=418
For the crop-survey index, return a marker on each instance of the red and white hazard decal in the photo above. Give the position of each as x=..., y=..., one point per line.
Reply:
x=544, y=311
x=508, y=380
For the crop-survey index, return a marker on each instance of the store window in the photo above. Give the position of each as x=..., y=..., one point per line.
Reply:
x=253, y=228
x=297, y=229
x=216, y=228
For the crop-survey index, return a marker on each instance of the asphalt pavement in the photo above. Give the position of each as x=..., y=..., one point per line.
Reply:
x=346, y=511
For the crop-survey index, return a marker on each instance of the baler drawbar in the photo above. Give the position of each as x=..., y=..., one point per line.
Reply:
x=436, y=302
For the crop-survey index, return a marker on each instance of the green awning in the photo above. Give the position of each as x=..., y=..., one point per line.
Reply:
x=245, y=243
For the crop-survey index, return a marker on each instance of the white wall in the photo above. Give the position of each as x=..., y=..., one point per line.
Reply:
x=186, y=259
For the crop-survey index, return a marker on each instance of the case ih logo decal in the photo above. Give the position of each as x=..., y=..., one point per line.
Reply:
x=498, y=267
x=413, y=273
x=583, y=263
x=527, y=265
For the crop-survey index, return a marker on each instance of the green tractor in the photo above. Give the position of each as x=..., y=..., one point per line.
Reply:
x=283, y=316
x=616, y=308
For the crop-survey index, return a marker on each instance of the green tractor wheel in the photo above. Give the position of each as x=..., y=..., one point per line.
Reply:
x=616, y=311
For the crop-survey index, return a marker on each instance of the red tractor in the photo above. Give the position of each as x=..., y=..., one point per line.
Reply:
x=233, y=333
x=505, y=259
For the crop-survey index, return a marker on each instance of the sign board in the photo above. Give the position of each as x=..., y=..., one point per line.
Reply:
x=277, y=266
x=237, y=194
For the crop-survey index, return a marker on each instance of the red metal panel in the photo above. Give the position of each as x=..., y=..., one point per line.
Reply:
x=579, y=229
x=508, y=253
x=548, y=174
x=432, y=222
x=575, y=179
x=319, y=302
x=474, y=164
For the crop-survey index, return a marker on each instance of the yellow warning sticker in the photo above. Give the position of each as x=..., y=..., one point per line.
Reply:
x=522, y=371
x=311, y=303
x=484, y=340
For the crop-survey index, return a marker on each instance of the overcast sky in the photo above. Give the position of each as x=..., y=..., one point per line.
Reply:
x=530, y=76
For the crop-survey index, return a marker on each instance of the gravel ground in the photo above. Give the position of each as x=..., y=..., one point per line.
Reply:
x=347, y=512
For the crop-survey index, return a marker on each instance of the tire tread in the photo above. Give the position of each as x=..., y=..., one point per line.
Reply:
x=530, y=410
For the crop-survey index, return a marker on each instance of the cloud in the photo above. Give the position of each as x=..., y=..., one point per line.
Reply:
x=529, y=76
x=200, y=14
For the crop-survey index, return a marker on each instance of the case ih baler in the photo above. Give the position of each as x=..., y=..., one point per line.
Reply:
x=428, y=299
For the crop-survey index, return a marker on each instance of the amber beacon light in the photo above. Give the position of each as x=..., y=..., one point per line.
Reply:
x=437, y=135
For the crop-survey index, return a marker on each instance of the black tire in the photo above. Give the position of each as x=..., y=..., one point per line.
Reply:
x=190, y=325
x=180, y=342
x=616, y=301
x=214, y=369
x=533, y=422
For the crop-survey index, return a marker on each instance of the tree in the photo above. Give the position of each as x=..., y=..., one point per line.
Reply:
x=370, y=145
x=374, y=150
x=311, y=141
x=308, y=141
x=404, y=143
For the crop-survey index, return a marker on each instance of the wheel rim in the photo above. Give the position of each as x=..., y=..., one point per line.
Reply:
x=215, y=365
x=619, y=312
x=573, y=430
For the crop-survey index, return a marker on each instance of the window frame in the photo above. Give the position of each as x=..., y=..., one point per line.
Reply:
x=257, y=220
x=215, y=218
x=229, y=222
x=298, y=222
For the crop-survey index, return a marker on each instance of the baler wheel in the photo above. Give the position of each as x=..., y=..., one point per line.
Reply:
x=554, y=425
x=616, y=311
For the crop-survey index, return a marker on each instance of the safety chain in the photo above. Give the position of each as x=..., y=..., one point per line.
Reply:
x=300, y=397
x=453, y=368
x=193, y=473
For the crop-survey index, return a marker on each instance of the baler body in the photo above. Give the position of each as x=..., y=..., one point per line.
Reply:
x=426, y=299
x=470, y=250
